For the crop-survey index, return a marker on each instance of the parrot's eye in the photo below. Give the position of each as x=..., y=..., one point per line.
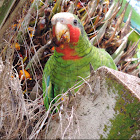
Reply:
x=62, y=20
x=75, y=22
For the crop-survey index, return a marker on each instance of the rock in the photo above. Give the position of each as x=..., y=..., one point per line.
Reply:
x=105, y=108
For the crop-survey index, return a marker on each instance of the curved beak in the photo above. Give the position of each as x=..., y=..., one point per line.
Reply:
x=62, y=32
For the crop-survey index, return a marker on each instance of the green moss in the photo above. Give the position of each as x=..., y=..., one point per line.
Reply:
x=126, y=121
x=107, y=107
x=105, y=128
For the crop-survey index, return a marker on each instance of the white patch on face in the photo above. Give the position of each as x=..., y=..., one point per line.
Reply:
x=63, y=17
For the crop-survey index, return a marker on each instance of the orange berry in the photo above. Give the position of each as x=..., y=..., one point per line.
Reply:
x=25, y=74
x=17, y=46
x=52, y=48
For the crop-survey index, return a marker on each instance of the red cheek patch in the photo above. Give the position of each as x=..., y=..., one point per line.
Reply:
x=74, y=33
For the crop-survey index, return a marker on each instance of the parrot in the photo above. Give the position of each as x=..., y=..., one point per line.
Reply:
x=72, y=57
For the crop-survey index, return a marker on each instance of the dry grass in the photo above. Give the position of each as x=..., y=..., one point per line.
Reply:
x=17, y=113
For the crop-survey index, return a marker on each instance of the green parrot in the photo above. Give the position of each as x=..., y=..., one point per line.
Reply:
x=72, y=57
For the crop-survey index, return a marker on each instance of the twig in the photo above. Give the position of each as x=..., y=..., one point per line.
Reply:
x=37, y=56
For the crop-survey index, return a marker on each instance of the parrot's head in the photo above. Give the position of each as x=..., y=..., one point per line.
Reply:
x=68, y=31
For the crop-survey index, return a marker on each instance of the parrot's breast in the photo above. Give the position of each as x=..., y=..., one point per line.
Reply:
x=66, y=73
x=68, y=52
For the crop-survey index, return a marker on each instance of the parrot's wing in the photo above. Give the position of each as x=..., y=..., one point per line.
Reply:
x=107, y=59
x=102, y=58
x=48, y=94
